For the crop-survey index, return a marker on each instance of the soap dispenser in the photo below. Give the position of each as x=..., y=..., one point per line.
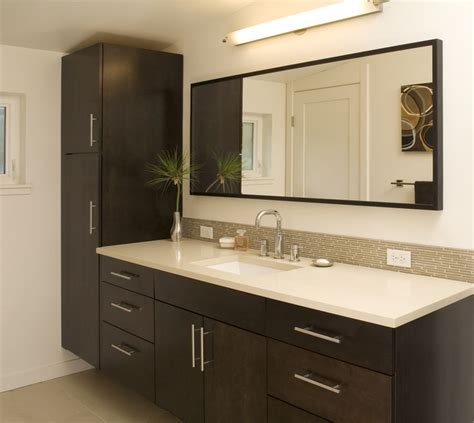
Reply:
x=241, y=240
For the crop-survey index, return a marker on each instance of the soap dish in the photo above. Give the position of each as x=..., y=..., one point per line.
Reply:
x=322, y=262
x=227, y=242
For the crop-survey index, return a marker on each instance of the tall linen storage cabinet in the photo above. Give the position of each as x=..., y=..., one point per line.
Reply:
x=121, y=106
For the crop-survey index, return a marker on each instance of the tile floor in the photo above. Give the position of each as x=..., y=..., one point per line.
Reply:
x=87, y=397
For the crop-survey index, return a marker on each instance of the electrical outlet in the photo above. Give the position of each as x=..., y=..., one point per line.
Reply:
x=206, y=232
x=398, y=258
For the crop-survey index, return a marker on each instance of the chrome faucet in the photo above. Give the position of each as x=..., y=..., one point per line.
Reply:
x=278, y=236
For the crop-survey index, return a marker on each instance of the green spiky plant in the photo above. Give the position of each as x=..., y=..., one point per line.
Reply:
x=171, y=169
x=229, y=171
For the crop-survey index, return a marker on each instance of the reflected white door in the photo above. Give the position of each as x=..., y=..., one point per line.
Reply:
x=326, y=145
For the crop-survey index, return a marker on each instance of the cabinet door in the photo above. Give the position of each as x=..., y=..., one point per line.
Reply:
x=179, y=379
x=80, y=263
x=142, y=116
x=235, y=374
x=81, y=100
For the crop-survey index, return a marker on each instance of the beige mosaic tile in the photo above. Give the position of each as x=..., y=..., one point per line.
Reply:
x=448, y=263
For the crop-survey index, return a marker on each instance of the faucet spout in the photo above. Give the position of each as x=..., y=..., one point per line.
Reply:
x=279, y=234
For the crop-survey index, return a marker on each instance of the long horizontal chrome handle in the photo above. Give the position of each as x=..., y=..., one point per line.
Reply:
x=321, y=335
x=328, y=386
x=124, y=307
x=121, y=275
x=124, y=349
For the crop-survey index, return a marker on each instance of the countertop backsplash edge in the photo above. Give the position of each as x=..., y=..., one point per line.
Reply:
x=440, y=262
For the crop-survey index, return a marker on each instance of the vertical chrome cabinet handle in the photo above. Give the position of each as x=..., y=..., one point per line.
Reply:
x=321, y=335
x=91, y=207
x=124, y=349
x=193, y=347
x=121, y=275
x=203, y=359
x=310, y=378
x=92, y=119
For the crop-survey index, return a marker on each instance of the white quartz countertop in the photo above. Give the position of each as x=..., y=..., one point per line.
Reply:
x=376, y=296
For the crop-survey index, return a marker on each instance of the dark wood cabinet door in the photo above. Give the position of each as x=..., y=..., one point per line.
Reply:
x=179, y=380
x=81, y=101
x=235, y=374
x=80, y=263
x=142, y=104
x=216, y=131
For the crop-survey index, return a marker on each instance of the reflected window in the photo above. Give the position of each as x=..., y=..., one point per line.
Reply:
x=252, y=146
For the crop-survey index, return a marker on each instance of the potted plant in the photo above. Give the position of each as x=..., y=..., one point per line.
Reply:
x=169, y=171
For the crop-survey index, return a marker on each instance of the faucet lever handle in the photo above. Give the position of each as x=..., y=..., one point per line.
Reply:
x=295, y=251
x=264, y=247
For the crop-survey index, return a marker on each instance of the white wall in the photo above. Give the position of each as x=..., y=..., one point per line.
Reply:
x=401, y=22
x=30, y=290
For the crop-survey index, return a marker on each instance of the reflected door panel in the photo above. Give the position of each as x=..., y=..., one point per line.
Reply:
x=326, y=153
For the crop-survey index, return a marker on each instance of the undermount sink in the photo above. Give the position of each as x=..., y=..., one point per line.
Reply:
x=246, y=265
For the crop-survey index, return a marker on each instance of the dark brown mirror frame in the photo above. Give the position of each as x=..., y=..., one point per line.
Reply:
x=437, y=71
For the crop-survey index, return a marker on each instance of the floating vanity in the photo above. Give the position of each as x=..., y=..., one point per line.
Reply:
x=223, y=336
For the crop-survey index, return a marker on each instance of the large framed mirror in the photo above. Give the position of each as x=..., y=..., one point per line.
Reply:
x=363, y=129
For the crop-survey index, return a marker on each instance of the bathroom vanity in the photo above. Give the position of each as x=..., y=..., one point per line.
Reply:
x=218, y=336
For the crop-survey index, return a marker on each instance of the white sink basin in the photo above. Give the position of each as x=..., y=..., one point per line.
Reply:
x=246, y=265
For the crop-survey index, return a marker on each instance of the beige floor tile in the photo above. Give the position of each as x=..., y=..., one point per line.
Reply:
x=86, y=397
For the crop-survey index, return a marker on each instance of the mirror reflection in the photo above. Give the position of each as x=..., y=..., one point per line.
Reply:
x=345, y=130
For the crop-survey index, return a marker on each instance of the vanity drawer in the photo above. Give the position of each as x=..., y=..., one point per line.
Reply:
x=329, y=388
x=281, y=412
x=361, y=343
x=127, y=275
x=127, y=310
x=237, y=308
x=128, y=359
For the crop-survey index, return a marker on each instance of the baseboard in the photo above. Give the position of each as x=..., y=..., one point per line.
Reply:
x=40, y=374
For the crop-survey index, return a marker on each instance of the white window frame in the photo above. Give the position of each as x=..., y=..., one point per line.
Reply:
x=257, y=121
x=11, y=180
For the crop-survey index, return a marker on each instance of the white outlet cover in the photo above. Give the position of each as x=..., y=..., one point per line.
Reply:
x=399, y=258
x=206, y=232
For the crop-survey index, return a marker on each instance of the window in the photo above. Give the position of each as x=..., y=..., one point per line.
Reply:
x=252, y=143
x=10, y=148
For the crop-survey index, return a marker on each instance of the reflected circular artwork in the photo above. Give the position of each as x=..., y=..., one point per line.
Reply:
x=417, y=117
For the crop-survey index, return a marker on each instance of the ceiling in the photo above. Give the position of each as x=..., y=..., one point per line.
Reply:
x=66, y=25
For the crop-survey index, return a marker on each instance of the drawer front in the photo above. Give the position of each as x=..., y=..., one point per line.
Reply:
x=281, y=412
x=357, y=342
x=329, y=388
x=227, y=305
x=127, y=275
x=128, y=359
x=127, y=310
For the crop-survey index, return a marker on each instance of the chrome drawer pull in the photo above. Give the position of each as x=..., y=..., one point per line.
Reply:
x=321, y=335
x=124, y=307
x=121, y=275
x=124, y=349
x=310, y=378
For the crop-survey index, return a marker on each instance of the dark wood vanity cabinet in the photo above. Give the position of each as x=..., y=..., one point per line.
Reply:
x=120, y=107
x=207, y=370
x=212, y=354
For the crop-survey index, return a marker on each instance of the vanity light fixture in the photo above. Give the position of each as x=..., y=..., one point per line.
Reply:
x=345, y=9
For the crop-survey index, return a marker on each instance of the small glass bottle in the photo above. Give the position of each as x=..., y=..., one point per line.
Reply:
x=241, y=240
